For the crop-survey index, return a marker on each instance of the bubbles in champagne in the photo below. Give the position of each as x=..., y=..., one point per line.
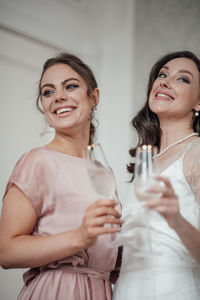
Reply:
x=142, y=189
x=102, y=181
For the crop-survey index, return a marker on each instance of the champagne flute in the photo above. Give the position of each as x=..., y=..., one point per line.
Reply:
x=146, y=170
x=100, y=173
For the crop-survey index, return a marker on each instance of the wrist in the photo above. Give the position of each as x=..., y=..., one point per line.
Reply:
x=80, y=240
x=178, y=224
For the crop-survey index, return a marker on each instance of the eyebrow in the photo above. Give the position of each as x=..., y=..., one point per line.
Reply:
x=180, y=71
x=186, y=71
x=63, y=82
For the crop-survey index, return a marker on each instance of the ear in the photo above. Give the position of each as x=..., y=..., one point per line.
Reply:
x=95, y=97
x=197, y=106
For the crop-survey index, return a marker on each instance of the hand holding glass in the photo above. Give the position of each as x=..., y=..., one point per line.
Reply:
x=100, y=174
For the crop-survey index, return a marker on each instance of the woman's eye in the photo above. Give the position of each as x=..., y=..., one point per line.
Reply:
x=71, y=86
x=162, y=75
x=184, y=79
x=47, y=93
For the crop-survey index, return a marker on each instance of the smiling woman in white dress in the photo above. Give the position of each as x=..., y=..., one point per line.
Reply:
x=170, y=120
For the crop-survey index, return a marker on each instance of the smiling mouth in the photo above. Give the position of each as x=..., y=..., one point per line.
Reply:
x=167, y=97
x=64, y=110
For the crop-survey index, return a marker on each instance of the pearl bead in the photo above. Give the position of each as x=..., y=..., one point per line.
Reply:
x=175, y=143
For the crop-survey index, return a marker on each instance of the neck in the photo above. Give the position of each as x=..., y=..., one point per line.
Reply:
x=173, y=131
x=69, y=144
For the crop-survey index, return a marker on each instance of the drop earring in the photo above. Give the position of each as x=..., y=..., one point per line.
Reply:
x=92, y=114
x=196, y=113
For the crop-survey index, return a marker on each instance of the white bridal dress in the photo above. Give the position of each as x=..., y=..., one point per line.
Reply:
x=170, y=273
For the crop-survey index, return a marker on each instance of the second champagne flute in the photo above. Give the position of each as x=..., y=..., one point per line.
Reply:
x=145, y=172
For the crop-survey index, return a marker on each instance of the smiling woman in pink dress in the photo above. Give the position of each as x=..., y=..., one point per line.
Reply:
x=51, y=221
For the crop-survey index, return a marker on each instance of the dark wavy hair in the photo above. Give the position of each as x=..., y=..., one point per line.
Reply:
x=79, y=67
x=146, y=122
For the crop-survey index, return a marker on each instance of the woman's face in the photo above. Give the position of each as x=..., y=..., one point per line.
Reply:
x=65, y=101
x=176, y=90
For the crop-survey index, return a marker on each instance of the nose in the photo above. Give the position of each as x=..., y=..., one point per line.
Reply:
x=165, y=82
x=60, y=95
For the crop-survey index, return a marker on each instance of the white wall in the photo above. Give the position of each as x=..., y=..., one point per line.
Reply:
x=120, y=40
x=100, y=32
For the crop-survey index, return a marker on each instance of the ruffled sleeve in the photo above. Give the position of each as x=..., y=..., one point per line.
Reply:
x=29, y=175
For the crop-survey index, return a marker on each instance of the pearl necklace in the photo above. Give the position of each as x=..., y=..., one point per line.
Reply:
x=175, y=143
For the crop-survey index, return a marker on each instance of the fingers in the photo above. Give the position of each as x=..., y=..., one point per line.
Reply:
x=167, y=210
x=101, y=211
x=94, y=232
x=167, y=204
x=164, y=205
x=88, y=232
x=103, y=202
x=163, y=187
x=165, y=201
x=103, y=207
x=98, y=214
x=101, y=221
x=102, y=217
x=167, y=187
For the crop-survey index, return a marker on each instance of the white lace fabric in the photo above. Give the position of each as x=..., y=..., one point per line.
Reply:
x=192, y=168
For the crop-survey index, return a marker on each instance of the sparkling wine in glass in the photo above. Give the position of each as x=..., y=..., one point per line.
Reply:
x=99, y=171
x=100, y=174
x=146, y=170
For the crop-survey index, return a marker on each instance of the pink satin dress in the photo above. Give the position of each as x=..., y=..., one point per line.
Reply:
x=58, y=187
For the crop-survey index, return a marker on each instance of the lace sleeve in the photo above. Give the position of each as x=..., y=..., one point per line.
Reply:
x=191, y=167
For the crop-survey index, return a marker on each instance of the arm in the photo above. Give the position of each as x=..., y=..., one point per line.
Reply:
x=189, y=235
x=19, y=249
x=168, y=206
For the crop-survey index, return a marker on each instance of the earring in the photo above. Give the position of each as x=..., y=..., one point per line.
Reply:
x=92, y=114
x=196, y=113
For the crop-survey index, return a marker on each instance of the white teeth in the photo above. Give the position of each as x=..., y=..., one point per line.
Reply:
x=64, y=109
x=164, y=95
